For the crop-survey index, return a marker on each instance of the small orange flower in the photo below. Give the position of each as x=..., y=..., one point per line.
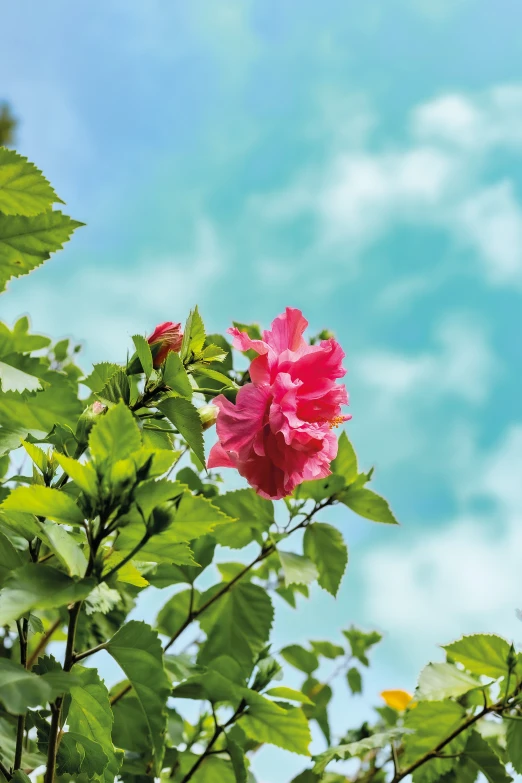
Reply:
x=398, y=700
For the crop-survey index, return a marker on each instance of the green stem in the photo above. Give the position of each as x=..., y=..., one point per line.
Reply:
x=127, y=557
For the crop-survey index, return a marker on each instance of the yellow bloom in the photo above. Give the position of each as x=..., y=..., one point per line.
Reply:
x=397, y=700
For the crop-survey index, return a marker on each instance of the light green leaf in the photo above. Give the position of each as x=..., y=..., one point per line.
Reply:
x=37, y=586
x=175, y=376
x=68, y=552
x=289, y=694
x=57, y=404
x=480, y=752
x=238, y=759
x=31, y=758
x=38, y=456
x=302, y=659
x=481, y=653
x=23, y=188
x=431, y=722
x=83, y=474
x=368, y=504
x=240, y=622
x=354, y=678
x=351, y=749
x=193, y=335
x=297, y=569
x=287, y=729
x=9, y=557
x=254, y=516
x=116, y=389
x=184, y=416
x=324, y=545
x=439, y=681
x=155, y=492
x=115, y=436
x=44, y=502
x=20, y=689
x=144, y=354
x=15, y=380
x=514, y=744
x=101, y=373
x=137, y=650
x=90, y=716
x=26, y=242
x=345, y=464
x=320, y=489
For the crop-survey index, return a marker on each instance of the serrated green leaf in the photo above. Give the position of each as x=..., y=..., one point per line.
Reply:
x=26, y=242
x=324, y=545
x=20, y=689
x=101, y=373
x=514, y=743
x=240, y=621
x=83, y=474
x=79, y=754
x=137, y=649
x=320, y=489
x=144, y=354
x=62, y=543
x=368, y=504
x=297, y=568
x=351, y=749
x=115, y=436
x=480, y=753
x=23, y=188
x=175, y=376
x=15, y=380
x=254, y=516
x=10, y=558
x=57, y=404
x=288, y=694
x=431, y=723
x=481, y=653
x=90, y=716
x=44, y=502
x=184, y=416
x=345, y=464
x=302, y=659
x=193, y=335
x=31, y=758
x=36, y=586
x=439, y=681
x=116, y=389
x=287, y=729
x=38, y=456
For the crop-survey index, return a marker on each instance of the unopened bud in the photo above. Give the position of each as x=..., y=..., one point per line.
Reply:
x=165, y=338
x=208, y=415
x=87, y=419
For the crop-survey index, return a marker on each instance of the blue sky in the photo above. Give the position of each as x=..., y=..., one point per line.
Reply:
x=361, y=161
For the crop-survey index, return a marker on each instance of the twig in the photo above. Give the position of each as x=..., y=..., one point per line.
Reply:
x=80, y=656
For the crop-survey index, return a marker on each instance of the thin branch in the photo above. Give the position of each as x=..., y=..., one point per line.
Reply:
x=23, y=628
x=5, y=772
x=218, y=731
x=80, y=656
x=127, y=557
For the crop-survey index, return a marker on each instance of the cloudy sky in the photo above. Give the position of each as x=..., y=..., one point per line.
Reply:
x=361, y=161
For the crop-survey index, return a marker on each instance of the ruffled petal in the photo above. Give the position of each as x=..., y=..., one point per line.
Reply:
x=287, y=331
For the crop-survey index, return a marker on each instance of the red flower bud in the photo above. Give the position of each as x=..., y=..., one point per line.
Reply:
x=166, y=337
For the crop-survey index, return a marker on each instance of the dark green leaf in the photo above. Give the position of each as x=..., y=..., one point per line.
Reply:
x=345, y=464
x=175, y=376
x=360, y=643
x=302, y=659
x=324, y=545
x=254, y=516
x=267, y=722
x=144, y=354
x=9, y=558
x=368, y=504
x=514, y=744
x=193, y=335
x=238, y=759
x=480, y=752
x=20, y=689
x=354, y=678
x=185, y=418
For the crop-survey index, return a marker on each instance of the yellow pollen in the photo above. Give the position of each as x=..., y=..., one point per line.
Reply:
x=336, y=421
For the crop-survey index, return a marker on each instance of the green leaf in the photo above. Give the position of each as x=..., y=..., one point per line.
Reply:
x=175, y=376
x=83, y=474
x=144, y=354
x=368, y=504
x=79, y=754
x=116, y=389
x=514, y=744
x=90, y=716
x=26, y=242
x=302, y=659
x=240, y=622
x=238, y=759
x=23, y=188
x=193, y=335
x=101, y=373
x=20, y=777
x=38, y=456
x=15, y=380
x=297, y=569
x=173, y=615
x=327, y=649
x=439, y=681
x=9, y=558
x=137, y=649
x=212, y=770
x=20, y=689
x=254, y=516
x=202, y=552
x=351, y=749
x=184, y=416
x=115, y=436
x=289, y=694
x=360, y=643
x=44, y=502
x=31, y=758
x=480, y=752
x=320, y=489
x=36, y=586
x=324, y=545
x=354, y=678
x=431, y=723
x=68, y=552
x=345, y=464
x=267, y=722
x=57, y=404
x=481, y=653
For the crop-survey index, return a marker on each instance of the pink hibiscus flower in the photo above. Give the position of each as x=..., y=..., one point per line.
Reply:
x=279, y=432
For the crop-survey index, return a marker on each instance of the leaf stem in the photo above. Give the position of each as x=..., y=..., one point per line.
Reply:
x=23, y=627
x=218, y=731
x=80, y=656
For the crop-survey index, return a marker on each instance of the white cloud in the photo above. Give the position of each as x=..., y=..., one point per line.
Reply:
x=465, y=577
